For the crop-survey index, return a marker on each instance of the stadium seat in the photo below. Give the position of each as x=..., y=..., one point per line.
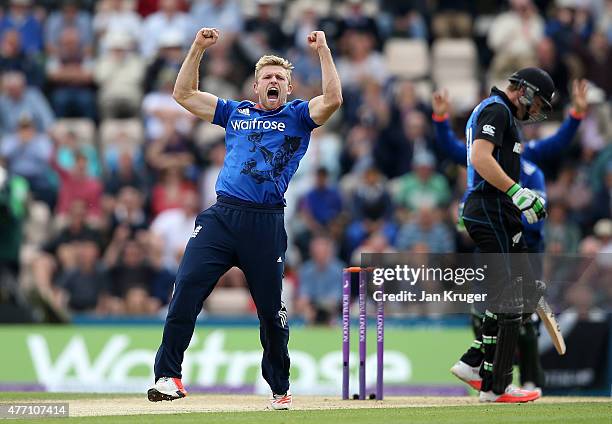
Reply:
x=453, y=59
x=83, y=128
x=119, y=136
x=407, y=58
x=464, y=94
x=296, y=9
x=228, y=301
x=127, y=132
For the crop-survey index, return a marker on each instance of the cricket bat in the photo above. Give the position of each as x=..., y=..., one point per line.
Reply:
x=547, y=316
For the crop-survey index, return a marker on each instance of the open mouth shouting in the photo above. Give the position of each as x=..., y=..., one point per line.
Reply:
x=273, y=94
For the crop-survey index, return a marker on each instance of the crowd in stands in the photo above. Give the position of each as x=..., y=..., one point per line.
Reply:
x=102, y=173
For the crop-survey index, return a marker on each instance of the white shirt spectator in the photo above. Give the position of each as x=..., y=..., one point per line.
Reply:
x=352, y=73
x=109, y=20
x=159, y=105
x=174, y=227
x=119, y=72
x=222, y=14
x=159, y=23
x=513, y=35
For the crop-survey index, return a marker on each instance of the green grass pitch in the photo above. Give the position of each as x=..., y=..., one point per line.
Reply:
x=563, y=413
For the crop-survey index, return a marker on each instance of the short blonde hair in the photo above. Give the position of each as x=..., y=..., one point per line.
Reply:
x=271, y=60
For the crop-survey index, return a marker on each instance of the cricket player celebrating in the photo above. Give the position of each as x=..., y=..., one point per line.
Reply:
x=492, y=217
x=245, y=228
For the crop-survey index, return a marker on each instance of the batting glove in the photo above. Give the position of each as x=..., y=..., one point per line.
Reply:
x=529, y=203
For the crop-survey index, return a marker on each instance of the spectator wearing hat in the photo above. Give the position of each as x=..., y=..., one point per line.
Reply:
x=21, y=18
x=18, y=100
x=115, y=16
x=119, y=74
x=168, y=58
x=168, y=18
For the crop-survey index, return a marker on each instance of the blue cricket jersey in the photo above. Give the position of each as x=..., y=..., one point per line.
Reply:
x=264, y=148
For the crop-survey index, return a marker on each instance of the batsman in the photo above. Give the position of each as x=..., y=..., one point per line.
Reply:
x=492, y=217
x=245, y=228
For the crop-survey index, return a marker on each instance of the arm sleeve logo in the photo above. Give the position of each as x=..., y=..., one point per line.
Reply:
x=489, y=129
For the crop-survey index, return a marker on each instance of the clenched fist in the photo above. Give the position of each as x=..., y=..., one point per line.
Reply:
x=316, y=40
x=206, y=37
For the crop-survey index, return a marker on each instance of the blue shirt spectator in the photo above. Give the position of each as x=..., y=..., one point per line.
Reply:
x=69, y=16
x=12, y=58
x=323, y=202
x=319, y=292
x=27, y=154
x=428, y=230
x=21, y=18
x=17, y=100
x=223, y=14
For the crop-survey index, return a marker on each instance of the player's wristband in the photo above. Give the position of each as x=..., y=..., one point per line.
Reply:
x=576, y=115
x=439, y=118
x=512, y=190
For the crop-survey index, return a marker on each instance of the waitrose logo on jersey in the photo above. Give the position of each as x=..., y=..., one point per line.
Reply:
x=254, y=124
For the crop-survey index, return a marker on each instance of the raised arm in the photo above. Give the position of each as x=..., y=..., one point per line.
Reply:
x=444, y=137
x=323, y=106
x=551, y=147
x=186, y=91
